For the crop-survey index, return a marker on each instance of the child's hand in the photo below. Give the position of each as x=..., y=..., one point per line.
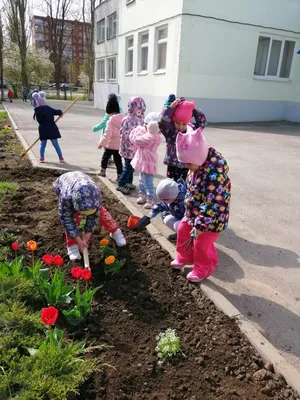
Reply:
x=99, y=147
x=175, y=103
x=81, y=244
x=86, y=237
x=195, y=233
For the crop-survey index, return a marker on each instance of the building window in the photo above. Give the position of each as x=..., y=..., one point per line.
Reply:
x=143, y=51
x=111, y=69
x=161, y=48
x=101, y=31
x=274, y=57
x=100, y=70
x=112, y=26
x=129, y=55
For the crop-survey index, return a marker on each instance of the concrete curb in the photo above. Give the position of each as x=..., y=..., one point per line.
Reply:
x=258, y=341
x=266, y=350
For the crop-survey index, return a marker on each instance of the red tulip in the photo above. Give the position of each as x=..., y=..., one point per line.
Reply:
x=47, y=259
x=49, y=315
x=86, y=274
x=58, y=260
x=76, y=272
x=15, y=246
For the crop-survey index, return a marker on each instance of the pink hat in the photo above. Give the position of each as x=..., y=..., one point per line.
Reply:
x=192, y=147
x=184, y=111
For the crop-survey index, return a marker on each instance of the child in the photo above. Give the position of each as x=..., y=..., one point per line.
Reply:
x=171, y=194
x=134, y=118
x=146, y=139
x=79, y=197
x=10, y=95
x=102, y=125
x=176, y=119
x=48, y=129
x=111, y=138
x=206, y=205
x=170, y=100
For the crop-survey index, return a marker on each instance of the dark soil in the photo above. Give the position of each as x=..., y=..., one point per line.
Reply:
x=133, y=307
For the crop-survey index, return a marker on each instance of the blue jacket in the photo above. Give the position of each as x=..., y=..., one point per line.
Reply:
x=47, y=127
x=177, y=208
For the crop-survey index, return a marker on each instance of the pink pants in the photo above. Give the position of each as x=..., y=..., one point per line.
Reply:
x=201, y=252
x=105, y=220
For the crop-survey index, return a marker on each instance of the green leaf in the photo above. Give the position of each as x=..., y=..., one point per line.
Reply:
x=57, y=334
x=16, y=266
x=73, y=316
x=4, y=269
x=32, y=352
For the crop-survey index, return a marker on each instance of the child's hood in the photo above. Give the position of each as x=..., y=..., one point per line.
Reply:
x=85, y=197
x=117, y=120
x=136, y=107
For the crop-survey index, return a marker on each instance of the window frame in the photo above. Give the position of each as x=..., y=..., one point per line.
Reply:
x=158, y=42
x=131, y=50
x=283, y=41
x=140, y=52
x=98, y=22
x=111, y=79
x=114, y=20
x=99, y=76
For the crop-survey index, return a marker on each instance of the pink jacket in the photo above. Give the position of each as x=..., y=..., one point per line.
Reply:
x=111, y=138
x=145, y=159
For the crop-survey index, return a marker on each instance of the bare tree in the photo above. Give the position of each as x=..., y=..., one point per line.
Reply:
x=1, y=59
x=88, y=9
x=17, y=18
x=60, y=35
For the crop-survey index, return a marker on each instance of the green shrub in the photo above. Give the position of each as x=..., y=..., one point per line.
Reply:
x=52, y=373
x=19, y=329
x=20, y=289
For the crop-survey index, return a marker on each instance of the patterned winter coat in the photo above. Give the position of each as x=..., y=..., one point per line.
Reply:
x=168, y=129
x=208, y=195
x=146, y=143
x=76, y=191
x=111, y=138
x=177, y=208
x=134, y=118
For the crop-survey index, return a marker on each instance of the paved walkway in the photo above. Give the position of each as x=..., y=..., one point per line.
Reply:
x=259, y=269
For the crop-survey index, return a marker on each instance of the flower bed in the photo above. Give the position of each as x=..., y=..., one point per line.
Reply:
x=207, y=357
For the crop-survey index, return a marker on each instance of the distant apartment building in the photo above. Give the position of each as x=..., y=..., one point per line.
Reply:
x=236, y=59
x=75, y=39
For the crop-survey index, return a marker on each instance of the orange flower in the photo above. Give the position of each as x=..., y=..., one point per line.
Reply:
x=31, y=245
x=104, y=242
x=109, y=260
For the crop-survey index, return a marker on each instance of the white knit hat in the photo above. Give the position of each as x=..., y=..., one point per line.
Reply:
x=153, y=116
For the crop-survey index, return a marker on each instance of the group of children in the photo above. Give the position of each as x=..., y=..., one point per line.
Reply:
x=194, y=197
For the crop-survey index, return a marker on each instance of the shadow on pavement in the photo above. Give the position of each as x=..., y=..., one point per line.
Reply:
x=278, y=324
x=228, y=270
x=274, y=128
x=259, y=254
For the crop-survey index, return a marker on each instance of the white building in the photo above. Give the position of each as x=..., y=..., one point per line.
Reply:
x=106, y=51
x=237, y=59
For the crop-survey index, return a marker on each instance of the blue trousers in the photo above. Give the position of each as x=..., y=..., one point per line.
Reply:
x=146, y=186
x=55, y=145
x=127, y=174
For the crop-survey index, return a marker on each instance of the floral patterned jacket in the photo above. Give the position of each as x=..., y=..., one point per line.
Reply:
x=76, y=191
x=134, y=118
x=167, y=127
x=208, y=195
